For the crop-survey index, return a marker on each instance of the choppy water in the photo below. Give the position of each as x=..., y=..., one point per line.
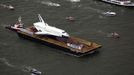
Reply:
x=17, y=55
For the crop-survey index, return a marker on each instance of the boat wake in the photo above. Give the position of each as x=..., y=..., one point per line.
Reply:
x=102, y=13
x=102, y=32
x=74, y=1
x=3, y=44
x=106, y=34
x=3, y=25
x=23, y=68
x=26, y=68
x=5, y=61
x=93, y=9
x=49, y=3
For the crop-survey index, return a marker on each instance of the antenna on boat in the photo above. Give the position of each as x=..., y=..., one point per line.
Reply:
x=19, y=19
x=41, y=20
x=19, y=23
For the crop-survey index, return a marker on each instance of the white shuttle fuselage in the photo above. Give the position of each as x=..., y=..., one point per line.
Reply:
x=44, y=29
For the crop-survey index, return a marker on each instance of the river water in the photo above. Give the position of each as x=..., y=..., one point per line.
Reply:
x=114, y=58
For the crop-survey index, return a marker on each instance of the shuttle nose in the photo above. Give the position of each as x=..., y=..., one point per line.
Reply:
x=66, y=34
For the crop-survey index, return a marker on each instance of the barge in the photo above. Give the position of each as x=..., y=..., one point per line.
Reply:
x=63, y=41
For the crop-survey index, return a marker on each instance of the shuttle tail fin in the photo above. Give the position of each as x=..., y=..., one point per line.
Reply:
x=41, y=20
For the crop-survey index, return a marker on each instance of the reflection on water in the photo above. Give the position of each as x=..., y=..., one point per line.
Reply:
x=4, y=61
x=23, y=68
x=74, y=0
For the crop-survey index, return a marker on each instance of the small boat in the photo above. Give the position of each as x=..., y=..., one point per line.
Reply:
x=108, y=13
x=126, y=3
x=49, y=3
x=70, y=18
x=35, y=72
x=10, y=7
x=113, y=35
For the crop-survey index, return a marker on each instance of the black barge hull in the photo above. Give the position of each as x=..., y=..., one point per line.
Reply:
x=63, y=49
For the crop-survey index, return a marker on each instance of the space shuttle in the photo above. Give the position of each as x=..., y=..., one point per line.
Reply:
x=45, y=29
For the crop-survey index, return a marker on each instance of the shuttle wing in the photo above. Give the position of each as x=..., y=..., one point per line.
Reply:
x=42, y=33
x=46, y=33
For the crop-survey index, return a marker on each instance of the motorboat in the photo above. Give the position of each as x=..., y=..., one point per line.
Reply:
x=35, y=72
x=109, y=13
x=70, y=18
x=10, y=7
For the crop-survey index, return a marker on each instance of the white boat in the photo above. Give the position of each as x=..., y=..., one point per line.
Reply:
x=10, y=7
x=108, y=13
x=35, y=72
x=120, y=2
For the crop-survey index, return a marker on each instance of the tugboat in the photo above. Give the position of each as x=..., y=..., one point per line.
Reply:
x=55, y=37
x=126, y=3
